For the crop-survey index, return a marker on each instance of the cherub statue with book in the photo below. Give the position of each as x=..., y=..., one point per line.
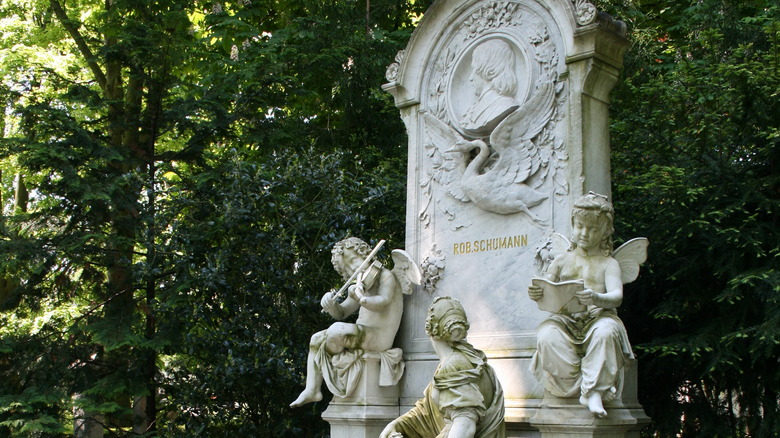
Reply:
x=582, y=347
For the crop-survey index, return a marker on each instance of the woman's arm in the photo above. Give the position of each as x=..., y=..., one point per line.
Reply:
x=463, y=427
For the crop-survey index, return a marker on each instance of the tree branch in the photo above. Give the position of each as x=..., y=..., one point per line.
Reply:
x=73, y=30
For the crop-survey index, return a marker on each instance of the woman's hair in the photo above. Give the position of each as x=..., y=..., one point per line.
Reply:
x=599, y=208
x=447, y=320
x=494, y=60
x=353, y=243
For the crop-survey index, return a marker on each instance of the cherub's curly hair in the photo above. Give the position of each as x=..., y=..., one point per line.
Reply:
x=447, y=320
x=599, y=207
x=353, y=243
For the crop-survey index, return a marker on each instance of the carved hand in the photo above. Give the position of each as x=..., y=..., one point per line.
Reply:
x=328, y=301
x=585, y=297
x=356, y=292
x=535, y=292
x=390, y=432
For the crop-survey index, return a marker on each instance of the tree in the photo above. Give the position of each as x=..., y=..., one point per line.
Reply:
x=695, y=124
x=186, y=160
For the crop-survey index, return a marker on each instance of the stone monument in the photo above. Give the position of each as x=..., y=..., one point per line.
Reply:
x=506, y=109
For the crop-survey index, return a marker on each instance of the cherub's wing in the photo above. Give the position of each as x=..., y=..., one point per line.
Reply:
x=447, y=163
x=516, y=131
x=630, y=255
x=560, y=244
x=406, y=271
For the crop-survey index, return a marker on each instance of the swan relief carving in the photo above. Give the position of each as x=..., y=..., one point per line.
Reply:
x=495, y=179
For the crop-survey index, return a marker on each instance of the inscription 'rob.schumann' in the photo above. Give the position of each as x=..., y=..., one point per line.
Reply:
x=493, y=244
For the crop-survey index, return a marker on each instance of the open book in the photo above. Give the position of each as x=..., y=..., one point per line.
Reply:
x=559, y=297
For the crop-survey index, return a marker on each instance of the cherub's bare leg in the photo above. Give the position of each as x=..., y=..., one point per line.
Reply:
x=312, y=392
x=594, y=403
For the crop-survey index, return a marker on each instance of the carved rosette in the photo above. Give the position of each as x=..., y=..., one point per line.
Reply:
x=585, y=12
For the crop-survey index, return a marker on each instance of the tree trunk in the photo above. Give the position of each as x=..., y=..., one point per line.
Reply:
x=86, y=424
x=21, y=195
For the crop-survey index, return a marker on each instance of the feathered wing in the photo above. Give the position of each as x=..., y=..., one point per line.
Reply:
x=512, y=135
x=447, y=163
x=560, y=244
x=406, y=271
x=629, y=256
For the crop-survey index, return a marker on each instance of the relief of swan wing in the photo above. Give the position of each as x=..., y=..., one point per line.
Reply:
x=513, y=135
x=448, y=164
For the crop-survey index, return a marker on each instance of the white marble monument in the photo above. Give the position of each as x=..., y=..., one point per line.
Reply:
x=506, y=109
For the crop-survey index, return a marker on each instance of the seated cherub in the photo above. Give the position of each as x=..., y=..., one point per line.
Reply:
x=584, y=353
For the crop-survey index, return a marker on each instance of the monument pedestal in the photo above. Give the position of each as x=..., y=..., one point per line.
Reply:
x=567, y=418
x=368, y=410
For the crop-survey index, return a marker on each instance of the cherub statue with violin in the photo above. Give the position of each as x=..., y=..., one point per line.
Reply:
x=376, y=293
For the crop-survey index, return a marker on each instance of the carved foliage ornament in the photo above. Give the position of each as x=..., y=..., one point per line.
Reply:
x=433, y=267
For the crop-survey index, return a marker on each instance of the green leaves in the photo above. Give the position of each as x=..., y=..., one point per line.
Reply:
x=190, y=167
x=695, y=171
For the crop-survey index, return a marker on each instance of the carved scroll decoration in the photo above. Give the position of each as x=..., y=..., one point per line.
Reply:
x=392, y=70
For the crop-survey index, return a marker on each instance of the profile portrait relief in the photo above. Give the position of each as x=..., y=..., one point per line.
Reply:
x=494, y=82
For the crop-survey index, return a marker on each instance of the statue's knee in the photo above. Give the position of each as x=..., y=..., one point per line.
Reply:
x=606, y=329
x=608, y=326
x=549, y=334
x=339, y=329
x=341, y=336
x=318, y=338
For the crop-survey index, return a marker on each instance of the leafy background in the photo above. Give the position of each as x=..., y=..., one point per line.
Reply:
x=175, y=173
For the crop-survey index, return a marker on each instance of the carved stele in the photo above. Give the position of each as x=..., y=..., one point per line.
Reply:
x=506, y=109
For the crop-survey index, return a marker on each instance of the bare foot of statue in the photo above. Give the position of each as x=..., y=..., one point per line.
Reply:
x=306, y=397
x=594, y=404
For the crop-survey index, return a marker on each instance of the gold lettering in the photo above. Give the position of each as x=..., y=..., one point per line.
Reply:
x=492, y=244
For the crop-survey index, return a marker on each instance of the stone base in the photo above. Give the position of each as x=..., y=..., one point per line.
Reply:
x=567, y=418
x=364, y=413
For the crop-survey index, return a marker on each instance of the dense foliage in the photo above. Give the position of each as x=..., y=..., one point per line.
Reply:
x=696, y=124
x=175, y=173
x=190, y=166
